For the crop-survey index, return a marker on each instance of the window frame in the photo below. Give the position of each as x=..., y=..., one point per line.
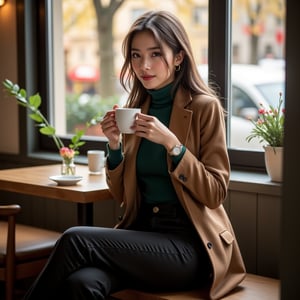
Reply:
x=33, y=72
x=220, y=49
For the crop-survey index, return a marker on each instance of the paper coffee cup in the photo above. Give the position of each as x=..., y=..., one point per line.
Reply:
x=125, y=118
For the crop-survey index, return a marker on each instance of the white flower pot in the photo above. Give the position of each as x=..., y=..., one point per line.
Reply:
x=274, y=162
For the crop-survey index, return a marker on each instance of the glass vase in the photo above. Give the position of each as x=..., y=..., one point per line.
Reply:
x=68, y=166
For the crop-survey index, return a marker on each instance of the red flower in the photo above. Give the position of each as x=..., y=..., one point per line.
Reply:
x=269, y=127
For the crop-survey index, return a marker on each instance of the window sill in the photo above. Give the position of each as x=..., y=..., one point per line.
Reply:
x=244, y=181
x=254, y=181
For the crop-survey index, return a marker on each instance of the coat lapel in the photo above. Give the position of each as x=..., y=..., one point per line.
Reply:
x=181, y=117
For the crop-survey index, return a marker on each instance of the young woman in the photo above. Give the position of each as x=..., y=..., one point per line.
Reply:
x=171, y=177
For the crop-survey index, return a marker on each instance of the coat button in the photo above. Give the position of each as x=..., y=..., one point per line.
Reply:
x=209, y=245
x=155, y=209
x=182, y=177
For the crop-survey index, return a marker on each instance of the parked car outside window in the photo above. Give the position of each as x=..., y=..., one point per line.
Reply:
x=252, y=85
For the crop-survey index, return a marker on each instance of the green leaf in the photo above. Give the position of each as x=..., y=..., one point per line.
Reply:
x=35, y=101
x=23, y=93
x=77, y=136
x=21, y=100
x=47, y=130
x=15, y=88
x=36, y=117
x=79, y=144
x=8, y=84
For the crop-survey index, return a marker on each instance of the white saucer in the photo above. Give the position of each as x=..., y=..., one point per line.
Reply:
x=66, y=179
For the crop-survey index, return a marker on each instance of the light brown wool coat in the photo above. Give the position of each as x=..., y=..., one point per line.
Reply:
x=200, y=180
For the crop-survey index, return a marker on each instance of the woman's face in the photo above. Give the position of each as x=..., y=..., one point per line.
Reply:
x=151, y=68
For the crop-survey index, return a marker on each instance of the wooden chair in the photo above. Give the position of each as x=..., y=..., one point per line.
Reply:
x=24, y=249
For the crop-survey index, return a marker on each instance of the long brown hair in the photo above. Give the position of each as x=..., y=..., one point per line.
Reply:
x=166, y=28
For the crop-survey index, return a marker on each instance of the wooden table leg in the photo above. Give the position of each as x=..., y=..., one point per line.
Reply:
x=85, y=214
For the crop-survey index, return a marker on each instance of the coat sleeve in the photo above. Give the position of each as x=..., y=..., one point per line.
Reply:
x=203, y=172
x=114, y=179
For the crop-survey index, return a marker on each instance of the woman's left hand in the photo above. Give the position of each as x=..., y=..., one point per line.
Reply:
x=152, y=129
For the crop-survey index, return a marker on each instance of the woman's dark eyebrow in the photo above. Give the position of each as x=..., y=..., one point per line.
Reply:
x=151, y=48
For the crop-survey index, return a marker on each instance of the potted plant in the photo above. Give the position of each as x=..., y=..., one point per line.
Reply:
x=33, y=103
x=269, y=128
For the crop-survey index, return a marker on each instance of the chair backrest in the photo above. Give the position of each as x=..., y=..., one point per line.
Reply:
x=7, y=256
x=24, y=249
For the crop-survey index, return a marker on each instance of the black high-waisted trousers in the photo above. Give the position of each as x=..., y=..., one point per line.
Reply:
x=160, y=252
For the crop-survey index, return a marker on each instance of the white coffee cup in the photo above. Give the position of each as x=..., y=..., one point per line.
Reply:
x=96, y=161
x=125, y=118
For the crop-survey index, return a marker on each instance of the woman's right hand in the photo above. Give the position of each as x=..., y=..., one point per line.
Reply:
x=110, y=129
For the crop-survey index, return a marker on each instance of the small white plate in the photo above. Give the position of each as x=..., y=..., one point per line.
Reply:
x=66, y=179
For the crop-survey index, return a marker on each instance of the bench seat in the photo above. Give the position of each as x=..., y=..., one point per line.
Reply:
x=253, y=287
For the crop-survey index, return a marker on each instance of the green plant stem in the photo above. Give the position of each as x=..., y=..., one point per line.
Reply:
x=58, y=142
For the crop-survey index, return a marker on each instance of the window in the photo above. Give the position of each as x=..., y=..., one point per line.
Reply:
x=87, y=63
x=257, y=70
x=244, y=37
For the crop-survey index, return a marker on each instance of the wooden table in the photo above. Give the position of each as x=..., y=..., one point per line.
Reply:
x=35, y=181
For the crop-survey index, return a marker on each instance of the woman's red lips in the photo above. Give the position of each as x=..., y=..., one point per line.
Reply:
x=147, y=77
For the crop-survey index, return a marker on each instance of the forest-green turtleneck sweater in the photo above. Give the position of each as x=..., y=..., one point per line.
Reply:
x=152, y=172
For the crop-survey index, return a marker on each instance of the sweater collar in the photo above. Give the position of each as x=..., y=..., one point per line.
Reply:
x=162, y=96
